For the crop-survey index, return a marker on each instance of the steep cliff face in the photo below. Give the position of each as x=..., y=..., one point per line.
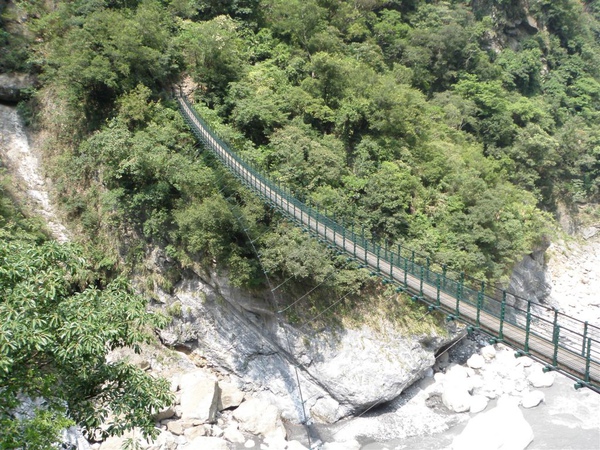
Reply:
x=12, y=86
x=340, y=371
x=530, y=278
x=565, y=273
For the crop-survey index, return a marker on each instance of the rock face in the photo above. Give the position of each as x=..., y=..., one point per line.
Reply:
x=530, y=279
x=12, y=86
x=340, y=371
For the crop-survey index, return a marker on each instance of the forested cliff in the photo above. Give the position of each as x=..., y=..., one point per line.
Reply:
x=454, y=128
x=448, y=126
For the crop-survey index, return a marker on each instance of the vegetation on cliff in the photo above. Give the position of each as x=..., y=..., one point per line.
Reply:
x=450, y=127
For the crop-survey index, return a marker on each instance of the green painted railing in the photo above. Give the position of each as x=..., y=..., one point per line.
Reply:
x=562, y=342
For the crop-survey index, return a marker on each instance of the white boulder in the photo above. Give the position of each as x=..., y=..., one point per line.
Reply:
x=199, y=396
x=456, y=395
x=232, y=434
x=325, y=410
x=478, y=403
x=476, y=362
x=532, y=399
x=259, y=417
x=501, y=428
x=164, y=414
x=488, y=352
x=456, y=372
x=193, y=432
x=540, y=379
x=231, y=396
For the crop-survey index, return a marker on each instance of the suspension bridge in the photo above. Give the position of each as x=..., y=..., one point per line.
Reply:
x=563, y=343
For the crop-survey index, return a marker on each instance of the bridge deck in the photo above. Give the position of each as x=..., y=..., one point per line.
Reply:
x=575, y=353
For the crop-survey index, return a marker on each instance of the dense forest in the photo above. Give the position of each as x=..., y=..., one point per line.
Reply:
x=450, y=127
x=455, y=128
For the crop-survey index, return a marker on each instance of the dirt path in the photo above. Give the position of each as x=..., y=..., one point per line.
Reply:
x=23, y=160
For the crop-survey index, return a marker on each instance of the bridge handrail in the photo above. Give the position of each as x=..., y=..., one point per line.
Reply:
x=564, y=332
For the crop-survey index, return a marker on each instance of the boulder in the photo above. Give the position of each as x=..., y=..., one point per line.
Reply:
x=193, y=432
x=199, y=396
x=231, y=396
x=325, y=410
x=501, y=428
x=525, y=361
x=216, y=431
x=539, y=379
x=164, y=414
x=259, y=417
x=532, y=399
x=164, y=441
x=456, y=372
x=12, y=86
x=178, y=427
x=295, y=445
x=476, y=362
x=206, y=443
x=119, y=442
x=478, y=403
x=232, y=434
x=488, y=352
x=456, y=396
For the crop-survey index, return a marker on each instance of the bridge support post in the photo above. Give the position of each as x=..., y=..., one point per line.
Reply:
x=444, y=268
x=334, y=227
x=459, y=290
x=502, y=312
x=439, y=284
x=588, y=360
x=480, y=295
x=391, y=266
x=527, y=327
x=354, y=241
x=585, y=331
x=421, y=281
x=555, y=337
x=364, y=243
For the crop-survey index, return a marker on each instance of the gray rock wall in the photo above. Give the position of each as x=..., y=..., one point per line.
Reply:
x=341, y=371
x=12, y=86
x=530, y=278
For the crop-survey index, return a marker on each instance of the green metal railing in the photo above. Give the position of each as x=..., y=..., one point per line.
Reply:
x=562, y=342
